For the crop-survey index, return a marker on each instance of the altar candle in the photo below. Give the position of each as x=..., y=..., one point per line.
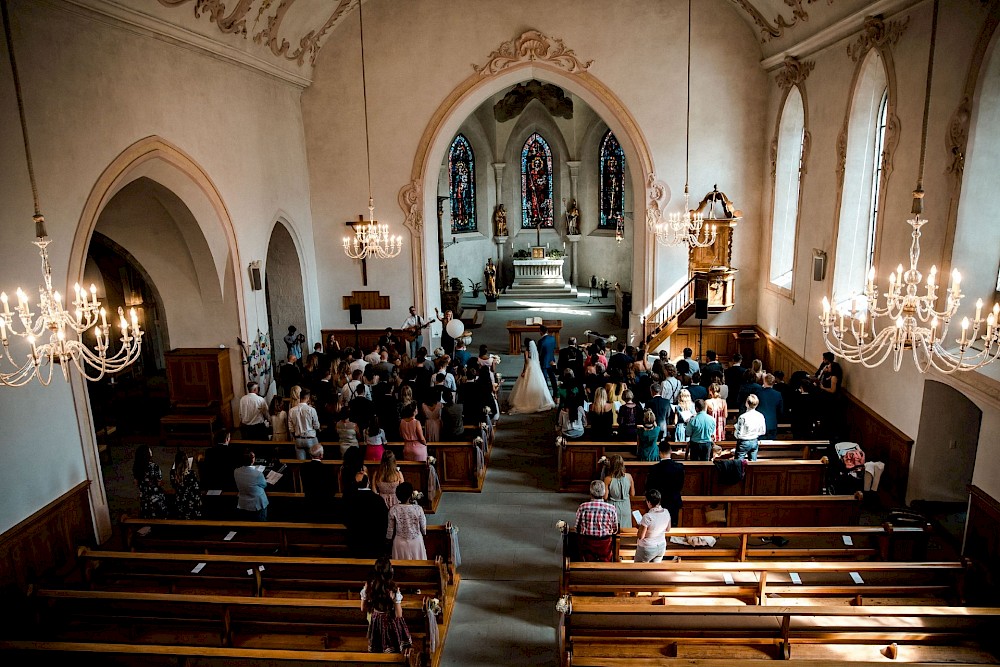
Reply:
x=979, y=310
x=965, y=331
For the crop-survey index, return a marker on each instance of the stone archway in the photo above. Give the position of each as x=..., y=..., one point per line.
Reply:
x=533, y=55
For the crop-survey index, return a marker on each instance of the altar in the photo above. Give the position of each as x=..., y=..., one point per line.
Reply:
x=537, y=272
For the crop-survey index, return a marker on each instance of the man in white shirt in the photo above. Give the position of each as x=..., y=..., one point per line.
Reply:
x=303, y=423
x=749, y=427
x=373, y=357
x=414, y=325
x=356, y=388
x=254, y=417
x=356, y=362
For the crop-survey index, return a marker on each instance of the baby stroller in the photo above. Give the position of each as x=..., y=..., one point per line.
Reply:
x=847, y=470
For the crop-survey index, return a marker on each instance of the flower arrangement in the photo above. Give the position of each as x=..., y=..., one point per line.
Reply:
x=478, y=442
x=560, y=441
x=522, y=254
x=602, y=461
x=416, y=496
x=434, y=606
x=611, y=339
x=588, y=332
x=431, y=460
x=564, y=606
x=561, y=526
x=556, y=254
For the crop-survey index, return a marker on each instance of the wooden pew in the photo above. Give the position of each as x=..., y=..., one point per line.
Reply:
x=577, y=460
x=256, y=576
x=214, y=621
x=743, y=511
x=145, y=655
x=778, y=477
x=265, y=538
x=417, y=473
x=756, y=582
x=611, y=635
x=885, y=543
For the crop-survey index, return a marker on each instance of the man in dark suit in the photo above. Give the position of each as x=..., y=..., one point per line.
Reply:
x=217, y=465
x=771, y=406
x=667, y=477
x=734, y=380
x=319, y=485
x=547, y=357
x=366, y=518
x=571, y=357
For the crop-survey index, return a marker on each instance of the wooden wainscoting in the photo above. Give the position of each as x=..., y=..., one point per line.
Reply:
x=720, y=339
x=881, y=440
x=982, y=547
x=46, y=541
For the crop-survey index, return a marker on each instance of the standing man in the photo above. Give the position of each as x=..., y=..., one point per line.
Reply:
x=713, y=366
x=749, y=427
x=667, y=477
x=294, y=342
x=734, y=380
x=596, y=524
x=693, y=366
x=252, y=502
x=702, y=428
x=415, y=325
x=771, y=405
x=303, y=422
x=254, y=417
x=571, y=357
x=547, y=357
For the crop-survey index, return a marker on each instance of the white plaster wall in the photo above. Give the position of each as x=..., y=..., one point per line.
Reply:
x=896, y=396
x=92, y=89
x=420, y=57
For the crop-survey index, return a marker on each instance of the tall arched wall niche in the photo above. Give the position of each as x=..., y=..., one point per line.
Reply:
x=896, y=396
x=114, y=88
x=405, y=91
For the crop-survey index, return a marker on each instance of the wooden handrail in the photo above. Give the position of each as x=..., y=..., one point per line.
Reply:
x=670, y=309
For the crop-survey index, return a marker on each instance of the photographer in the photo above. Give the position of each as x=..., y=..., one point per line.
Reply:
x=294, y=342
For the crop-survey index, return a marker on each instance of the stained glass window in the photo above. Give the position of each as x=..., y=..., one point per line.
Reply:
x=536, y=183
x=462, y=186
x=612, y=190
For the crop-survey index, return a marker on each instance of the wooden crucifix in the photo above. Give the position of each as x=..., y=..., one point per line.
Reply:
x=364, y=264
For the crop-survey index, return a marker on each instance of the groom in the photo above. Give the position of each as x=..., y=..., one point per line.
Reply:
x=547, y=357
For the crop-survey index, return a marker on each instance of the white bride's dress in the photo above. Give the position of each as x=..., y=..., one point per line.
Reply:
x=531, y=391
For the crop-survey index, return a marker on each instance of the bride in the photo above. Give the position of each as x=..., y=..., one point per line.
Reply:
x=531, y=391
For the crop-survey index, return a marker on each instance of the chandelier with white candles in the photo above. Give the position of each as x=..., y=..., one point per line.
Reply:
x=863, y=331
x=54, y=335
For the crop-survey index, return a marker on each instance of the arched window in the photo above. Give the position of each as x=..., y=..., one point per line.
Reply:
x=462, y=185
x=612, y=174
x=536, y=183
x=861, y=197
x=787, y=180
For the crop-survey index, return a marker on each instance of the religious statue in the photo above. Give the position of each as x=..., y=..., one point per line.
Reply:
x=572, y=218
x=490, y=275
x=500, y=221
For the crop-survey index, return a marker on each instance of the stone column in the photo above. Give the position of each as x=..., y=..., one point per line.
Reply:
x=498, y=168
x=501, y=242
x=574, y=239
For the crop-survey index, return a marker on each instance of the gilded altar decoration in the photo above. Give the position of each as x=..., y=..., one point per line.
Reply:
x=490, y=278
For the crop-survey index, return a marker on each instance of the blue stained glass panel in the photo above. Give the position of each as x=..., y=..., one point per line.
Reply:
x=612, y=191
x=462, y=185
x=536, y=183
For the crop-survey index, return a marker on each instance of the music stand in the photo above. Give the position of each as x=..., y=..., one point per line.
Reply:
x=592, y=298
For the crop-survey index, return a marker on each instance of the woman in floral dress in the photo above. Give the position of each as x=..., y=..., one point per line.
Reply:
x=407, y=526
x=382, y=601
x=187, y=491
x=149, y=478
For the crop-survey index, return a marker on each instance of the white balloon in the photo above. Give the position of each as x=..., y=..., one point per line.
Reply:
x=455, y=328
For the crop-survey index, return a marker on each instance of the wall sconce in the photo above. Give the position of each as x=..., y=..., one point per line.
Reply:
x=819, y=265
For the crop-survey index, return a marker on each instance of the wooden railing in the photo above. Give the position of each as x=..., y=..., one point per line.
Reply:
x=665, y=319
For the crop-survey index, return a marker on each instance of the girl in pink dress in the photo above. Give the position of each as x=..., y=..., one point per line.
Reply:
x=387, y=478
x=412, y=433
x=431, y=408
x=718, y=409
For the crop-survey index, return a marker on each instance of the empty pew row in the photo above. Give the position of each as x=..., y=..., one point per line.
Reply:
x=767, y=582
x=885, y=543
x=255, y=576
x=270, y=538
x=778, y=477
x=742, y=511
x=577, y=460
x=612, y=635
x=332, y=626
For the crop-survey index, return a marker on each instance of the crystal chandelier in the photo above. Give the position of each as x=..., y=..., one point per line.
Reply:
x=371, y=239
x=912, y=321
x=685, y=228
x=54, y=335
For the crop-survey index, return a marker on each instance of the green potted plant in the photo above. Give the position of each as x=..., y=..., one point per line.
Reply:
x=556, y=254
x=475, y=288
x=456, y=285
x=522, y=254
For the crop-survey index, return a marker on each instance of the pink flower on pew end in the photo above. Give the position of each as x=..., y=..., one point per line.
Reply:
x=564, y=605
x=416, y=495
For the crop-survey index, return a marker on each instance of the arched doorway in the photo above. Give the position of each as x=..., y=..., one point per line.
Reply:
x=283, y=293
x=944, y=455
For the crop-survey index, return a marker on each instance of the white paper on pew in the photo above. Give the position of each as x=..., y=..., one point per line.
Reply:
x=273, y=477
x=848, y=542
x=250, y=571
x=728, y=577
x=796, y=579
x=230, y=535
x=144, y=531
x=198, y=568
x=857, y=578
x=214, y=492
x=637, y=515
x=260, y=567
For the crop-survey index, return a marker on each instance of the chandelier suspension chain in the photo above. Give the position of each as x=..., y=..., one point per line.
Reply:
x=364, y=98
x=687, y=116
x=918, y=198
x=39, y=219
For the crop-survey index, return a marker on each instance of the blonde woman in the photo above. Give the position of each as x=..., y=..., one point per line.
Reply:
x=601, y=415
x=718, y=409
x=683, y=412
x=757, y=366
x=387, y=477
x=619, y=488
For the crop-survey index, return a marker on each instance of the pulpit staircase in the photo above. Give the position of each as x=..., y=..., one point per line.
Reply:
x=667, y=318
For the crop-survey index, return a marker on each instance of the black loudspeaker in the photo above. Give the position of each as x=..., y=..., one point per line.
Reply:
x=255, y=283
x=355, y=313
x=701, y=308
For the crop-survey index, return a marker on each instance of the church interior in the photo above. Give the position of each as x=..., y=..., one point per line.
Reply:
x=767, y=178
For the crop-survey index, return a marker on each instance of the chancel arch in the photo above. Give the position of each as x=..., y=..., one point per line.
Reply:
x=283, y=290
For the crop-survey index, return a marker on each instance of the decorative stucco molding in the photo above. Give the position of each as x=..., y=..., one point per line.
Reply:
x=876, y=33
x=411, y=201
x=532, y=46
x=657, y=196
x=793, y=72
x=770, y=30
x=309, y=43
